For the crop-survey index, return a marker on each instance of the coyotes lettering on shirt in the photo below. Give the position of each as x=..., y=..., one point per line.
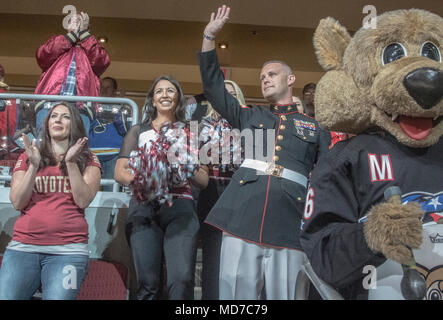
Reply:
x=45, y=184
x=51, y=217
x=51, y=183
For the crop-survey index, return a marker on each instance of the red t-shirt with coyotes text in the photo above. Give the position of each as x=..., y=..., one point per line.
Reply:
x=51, y=216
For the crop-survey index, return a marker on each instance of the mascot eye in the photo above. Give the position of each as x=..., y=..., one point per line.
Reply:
x=393, y=52
x=430, y=50
x=434, y=294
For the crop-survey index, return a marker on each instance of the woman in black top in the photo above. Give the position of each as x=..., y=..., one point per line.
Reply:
x=156, y=230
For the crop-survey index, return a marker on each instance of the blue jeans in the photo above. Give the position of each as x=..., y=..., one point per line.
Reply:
x=108, y=167
x=41, y=114
x=61, y=276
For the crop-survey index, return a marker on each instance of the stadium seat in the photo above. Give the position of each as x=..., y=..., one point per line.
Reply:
x=106, y=280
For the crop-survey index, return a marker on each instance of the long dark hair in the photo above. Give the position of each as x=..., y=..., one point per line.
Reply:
x=180, y=109
x=77, y=131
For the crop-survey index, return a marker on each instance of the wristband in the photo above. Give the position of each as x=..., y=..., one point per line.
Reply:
x=208, y=37
x=72, y=37
x=82, y=35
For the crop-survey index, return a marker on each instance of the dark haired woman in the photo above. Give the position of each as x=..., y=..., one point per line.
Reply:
x=51, y=185
x=154, y=231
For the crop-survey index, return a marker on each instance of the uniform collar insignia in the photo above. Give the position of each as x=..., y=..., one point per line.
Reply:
x=283, y=108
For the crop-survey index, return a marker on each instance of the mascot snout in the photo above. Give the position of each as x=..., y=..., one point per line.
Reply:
x=425, y=85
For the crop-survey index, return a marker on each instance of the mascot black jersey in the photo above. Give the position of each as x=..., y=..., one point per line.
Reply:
x=347, y=183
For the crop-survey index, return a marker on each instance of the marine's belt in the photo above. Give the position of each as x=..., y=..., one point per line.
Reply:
x=270, y=168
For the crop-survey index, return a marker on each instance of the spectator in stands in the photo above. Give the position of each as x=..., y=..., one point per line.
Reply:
x=196, y=106
x=71, y=65
x=108, y=87
x=51, y=185
x=235, y=91
x=308, y=98
x=219, y=177
x=8, y=122
x=107, y=132
x=301, y=107
x=2, y=74
x=154, y=231
x=26, y=122
x=199, y=108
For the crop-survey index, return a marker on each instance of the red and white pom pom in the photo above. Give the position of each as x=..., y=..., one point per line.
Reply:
x=163, y=164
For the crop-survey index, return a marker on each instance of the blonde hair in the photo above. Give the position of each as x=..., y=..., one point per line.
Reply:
x=240, y=98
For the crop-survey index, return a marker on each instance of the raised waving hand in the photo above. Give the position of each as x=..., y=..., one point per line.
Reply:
x=215, y=24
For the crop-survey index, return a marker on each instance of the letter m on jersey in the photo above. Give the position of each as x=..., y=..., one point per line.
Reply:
x=380, y=169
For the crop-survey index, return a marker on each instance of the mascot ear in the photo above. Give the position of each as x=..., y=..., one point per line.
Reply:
x=330, y=41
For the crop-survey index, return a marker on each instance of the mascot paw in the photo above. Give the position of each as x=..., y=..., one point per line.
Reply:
x=393, y=228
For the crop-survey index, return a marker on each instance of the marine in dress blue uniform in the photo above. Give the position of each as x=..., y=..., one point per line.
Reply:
x=261, y=210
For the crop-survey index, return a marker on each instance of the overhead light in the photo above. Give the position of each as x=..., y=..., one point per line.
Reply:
x=223, y=45
x=102, y=39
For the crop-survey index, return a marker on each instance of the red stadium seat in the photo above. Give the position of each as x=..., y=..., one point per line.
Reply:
x=106, y=280
x=8, y=163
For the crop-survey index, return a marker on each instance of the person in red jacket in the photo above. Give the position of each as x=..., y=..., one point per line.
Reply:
x=8, y=122
x=71, y=65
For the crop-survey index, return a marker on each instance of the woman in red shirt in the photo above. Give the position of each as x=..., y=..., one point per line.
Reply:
x=51, y=185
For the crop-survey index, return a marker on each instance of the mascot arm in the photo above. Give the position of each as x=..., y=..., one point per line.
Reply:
x=332, y=237
x=393, y=228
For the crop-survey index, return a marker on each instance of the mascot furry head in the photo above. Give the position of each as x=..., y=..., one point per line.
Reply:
x=389, y=77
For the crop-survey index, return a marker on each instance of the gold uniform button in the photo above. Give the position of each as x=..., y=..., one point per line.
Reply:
x=280, y=137
x=241, y=181
x=298, y=198
x=282, y=127
x=261, y=125
x=278, y=148
x=304, y=138
x=275, y=108
x=283, y=117
x=276, y=158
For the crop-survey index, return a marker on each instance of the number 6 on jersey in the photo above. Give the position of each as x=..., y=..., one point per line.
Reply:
x=309, y=205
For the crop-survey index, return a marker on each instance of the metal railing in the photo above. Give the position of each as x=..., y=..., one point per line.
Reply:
x=138, y=94
x=307, y=276
x=131, y=103
x=104, y=100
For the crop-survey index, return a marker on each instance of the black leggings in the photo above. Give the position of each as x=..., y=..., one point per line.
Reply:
x=171, y=231
x=211, y=240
